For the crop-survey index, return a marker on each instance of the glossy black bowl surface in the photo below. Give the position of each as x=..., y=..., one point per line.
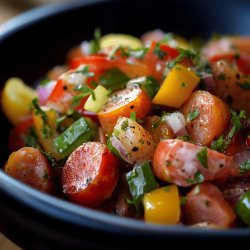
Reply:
x=36, y=41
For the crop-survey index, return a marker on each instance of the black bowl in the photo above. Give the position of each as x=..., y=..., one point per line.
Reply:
x=37, y=40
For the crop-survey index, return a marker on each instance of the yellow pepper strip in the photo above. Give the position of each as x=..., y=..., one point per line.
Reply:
x=16, y=100
x=124, y=40
x=177, y=87
x=162, y=205
x=46, y=132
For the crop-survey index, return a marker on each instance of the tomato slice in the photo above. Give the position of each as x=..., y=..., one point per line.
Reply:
x=122, y=103
x=90, y=174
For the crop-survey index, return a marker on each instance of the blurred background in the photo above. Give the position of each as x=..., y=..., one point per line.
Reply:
x=11, y=8
x=8, y=10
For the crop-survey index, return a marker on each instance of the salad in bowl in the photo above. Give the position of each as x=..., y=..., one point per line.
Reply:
x=155, y=128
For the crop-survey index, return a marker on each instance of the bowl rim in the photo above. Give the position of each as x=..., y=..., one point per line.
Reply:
x=73, y=213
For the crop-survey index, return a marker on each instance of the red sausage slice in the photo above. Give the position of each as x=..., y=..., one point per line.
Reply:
x=90, y=174
x=30, y=166
x=205, y=203
x=177, y=161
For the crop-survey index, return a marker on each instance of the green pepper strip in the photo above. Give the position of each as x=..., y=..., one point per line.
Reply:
x=140, y=180
x=82, y=130
x=242, y=208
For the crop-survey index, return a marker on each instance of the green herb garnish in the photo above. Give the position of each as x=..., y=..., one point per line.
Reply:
x=202, y=157
x=193, y=115
x=245, y=167
x=94, y=45
x=198, y=178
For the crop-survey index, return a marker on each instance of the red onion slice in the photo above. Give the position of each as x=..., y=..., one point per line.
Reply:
x=43, y=92
x=120, y=148
x=176, y=121
x=242, y=157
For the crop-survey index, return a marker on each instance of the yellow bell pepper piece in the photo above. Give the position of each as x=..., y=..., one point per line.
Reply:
x=46, y=140
x=16, y=100
x=112, y=40
x=179, y=42
x=162, y=205
x=101, y=97
x=177, y=87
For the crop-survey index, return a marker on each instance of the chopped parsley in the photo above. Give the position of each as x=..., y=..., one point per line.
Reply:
x=202, y=157
x=94, y=45
x=184, y=85
x=183, y=200
x=244, y=85
x=133, y=116
x=218, y=144
x=236, y=121
x=30, y=139
x=160, y=53
x=223, y=141
x=84, y=70
x=186, y=138
x=46, y=131
x=114, y=79
x=157, y=123
x=193, y=115
x=167, y=188
x=183, y=54
x=124, y=125
x=245, y=167
x=198, y=178
x=136, y=53
x=141, y=141
x=86, y=91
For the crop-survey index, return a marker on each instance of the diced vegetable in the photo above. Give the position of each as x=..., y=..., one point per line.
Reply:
x=207, y=117
x=158, y=128
x=30, y=166
x=140, y=180
x=45, y=127
x=114, y=79
x=177, y=87
x=176, y=121
x=162, y=205
x=184, y=163
x=148, y=84
x=90, y=174
x=205, y=203
x=122, y=103
x=83, y=130
x=95, y=104
x=124, y=40
x=242, y=208
x=16, y=100
x=132, y=142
